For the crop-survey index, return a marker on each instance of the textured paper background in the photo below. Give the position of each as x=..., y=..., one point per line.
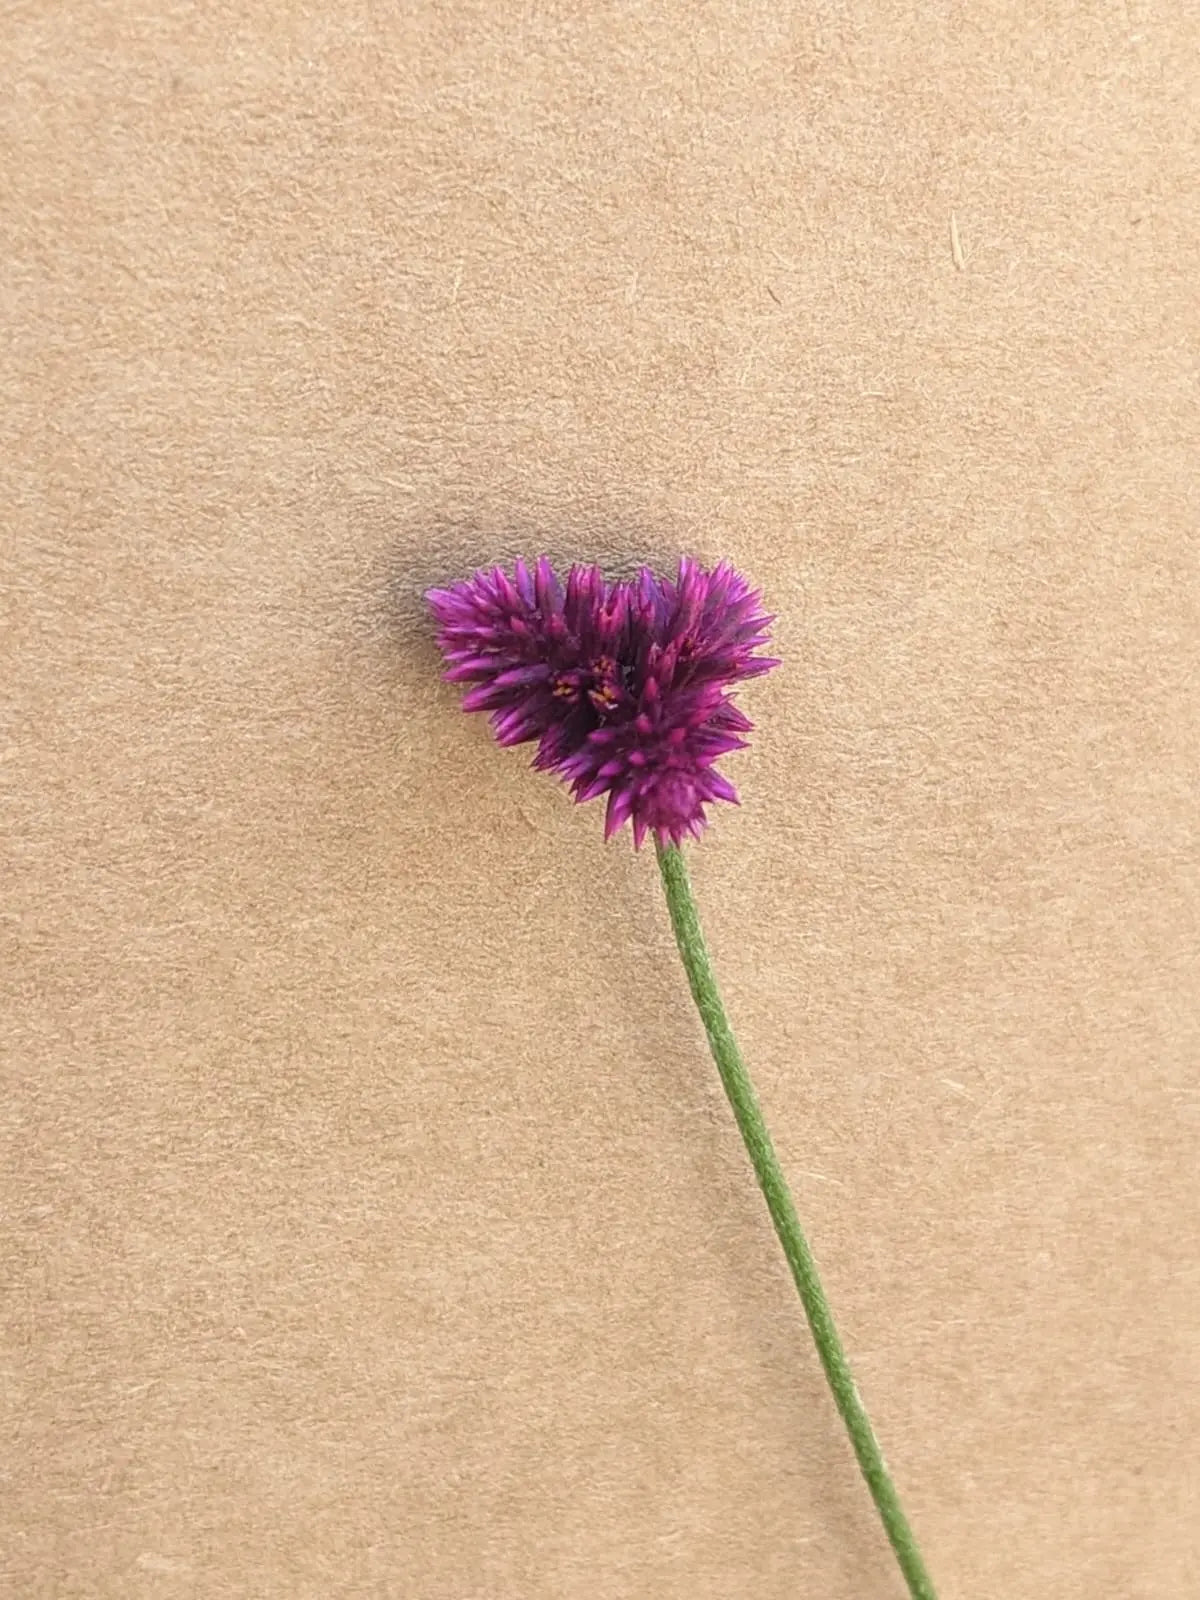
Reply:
x=373, y=1224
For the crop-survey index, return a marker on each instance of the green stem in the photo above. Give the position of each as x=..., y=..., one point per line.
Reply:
x=753, y=1129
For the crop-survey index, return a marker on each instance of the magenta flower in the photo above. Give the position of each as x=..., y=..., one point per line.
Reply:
x=625, y=685
x=627, y=688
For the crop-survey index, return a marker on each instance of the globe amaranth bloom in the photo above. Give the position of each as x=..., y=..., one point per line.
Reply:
x=625, y=685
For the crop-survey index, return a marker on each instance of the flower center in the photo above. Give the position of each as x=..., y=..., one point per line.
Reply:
x=602, y=681
x=605, y=690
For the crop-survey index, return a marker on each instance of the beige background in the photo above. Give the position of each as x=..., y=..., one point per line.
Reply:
x=373, y=1224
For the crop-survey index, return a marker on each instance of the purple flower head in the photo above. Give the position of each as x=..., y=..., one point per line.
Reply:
x=624, y=685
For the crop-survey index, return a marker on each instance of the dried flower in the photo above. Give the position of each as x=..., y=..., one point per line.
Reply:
x=625, y=685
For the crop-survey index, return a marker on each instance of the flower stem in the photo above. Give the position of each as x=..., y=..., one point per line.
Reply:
x=746, y=1110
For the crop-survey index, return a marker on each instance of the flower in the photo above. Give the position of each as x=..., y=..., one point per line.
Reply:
x=624, y=685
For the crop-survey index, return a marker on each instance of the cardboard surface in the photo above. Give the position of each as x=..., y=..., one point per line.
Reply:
x=373, y=1223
